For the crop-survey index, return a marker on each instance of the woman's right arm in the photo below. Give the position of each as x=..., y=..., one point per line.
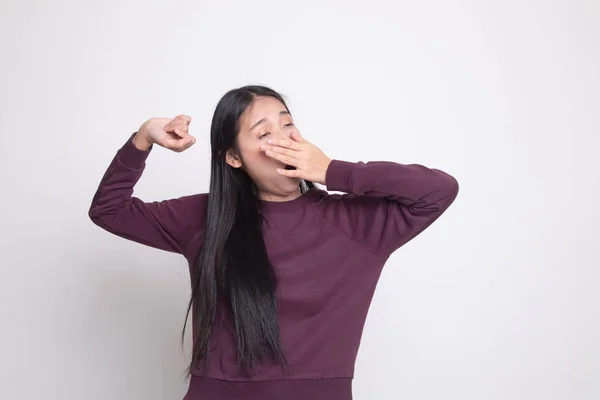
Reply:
x=160, y=224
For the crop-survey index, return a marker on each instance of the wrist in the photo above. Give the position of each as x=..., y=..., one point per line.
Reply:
x=141, y=140
x=323, y=177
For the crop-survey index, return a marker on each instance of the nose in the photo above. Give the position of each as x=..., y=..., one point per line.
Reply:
x=282, y=134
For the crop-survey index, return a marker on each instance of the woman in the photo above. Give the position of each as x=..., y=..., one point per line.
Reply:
x=282, y=272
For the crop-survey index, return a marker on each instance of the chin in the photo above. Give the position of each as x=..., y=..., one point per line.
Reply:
x=287, y=184
x=291, y=182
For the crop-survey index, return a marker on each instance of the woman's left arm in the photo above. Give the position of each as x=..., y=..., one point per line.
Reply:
x=386, y=204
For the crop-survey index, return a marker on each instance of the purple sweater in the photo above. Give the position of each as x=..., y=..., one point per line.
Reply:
x=328, y=251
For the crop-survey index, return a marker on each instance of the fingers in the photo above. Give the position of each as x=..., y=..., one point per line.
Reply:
x=279, y=150
x=179, y=145
x=295, y=135
x=279, y=153
x=179, y=138
x=289, y=173
x=287, y=143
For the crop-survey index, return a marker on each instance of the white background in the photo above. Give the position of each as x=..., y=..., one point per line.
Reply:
x=497, y=300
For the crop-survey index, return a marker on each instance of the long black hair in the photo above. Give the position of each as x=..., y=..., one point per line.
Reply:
x=232, y=264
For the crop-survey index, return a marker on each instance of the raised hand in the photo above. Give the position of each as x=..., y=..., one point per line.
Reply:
x=171, y=134
x=309, y=161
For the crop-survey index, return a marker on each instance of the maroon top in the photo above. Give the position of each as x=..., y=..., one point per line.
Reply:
x=328, y=251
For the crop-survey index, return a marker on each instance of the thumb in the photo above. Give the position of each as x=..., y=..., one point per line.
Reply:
x=177, y=128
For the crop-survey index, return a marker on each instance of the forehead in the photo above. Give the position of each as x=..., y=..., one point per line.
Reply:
x=261, y=107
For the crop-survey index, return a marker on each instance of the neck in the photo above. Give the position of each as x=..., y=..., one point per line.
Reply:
x=277, y=197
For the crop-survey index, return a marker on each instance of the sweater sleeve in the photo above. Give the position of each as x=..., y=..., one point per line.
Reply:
x=386, y=204
x=159, y=224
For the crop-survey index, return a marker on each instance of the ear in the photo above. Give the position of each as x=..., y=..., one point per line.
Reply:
x=233, y=159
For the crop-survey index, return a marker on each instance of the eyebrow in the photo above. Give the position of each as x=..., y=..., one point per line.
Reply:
x=264, y=119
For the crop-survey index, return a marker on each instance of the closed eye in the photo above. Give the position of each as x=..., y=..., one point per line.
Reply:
x=268, y=133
